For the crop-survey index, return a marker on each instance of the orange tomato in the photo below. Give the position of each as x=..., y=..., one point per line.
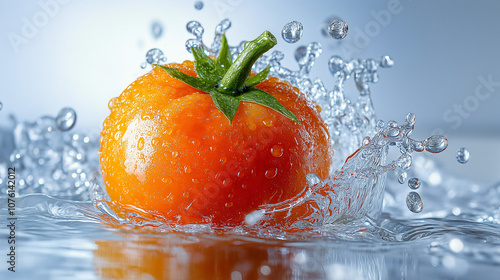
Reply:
x=167, y=149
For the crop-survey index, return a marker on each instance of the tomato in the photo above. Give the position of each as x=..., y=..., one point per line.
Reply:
x=166, y=148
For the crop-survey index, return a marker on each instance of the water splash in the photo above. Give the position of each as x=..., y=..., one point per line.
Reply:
x=51, y=160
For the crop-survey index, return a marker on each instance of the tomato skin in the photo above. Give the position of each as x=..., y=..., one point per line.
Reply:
x=167, y=149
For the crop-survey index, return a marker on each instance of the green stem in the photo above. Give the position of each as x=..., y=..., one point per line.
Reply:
x=236, y=75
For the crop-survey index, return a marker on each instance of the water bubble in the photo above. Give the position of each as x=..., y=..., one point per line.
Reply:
x=414, y=202
x=66, y=119
x=155, y=56
x=414, y=183
x=292, y=32
x=386, y=62
x=198, y=5
x=1, y=105
x=156, y=29
x=312, y=179
x=463, y=155
x=436, y=143
x=338, y=29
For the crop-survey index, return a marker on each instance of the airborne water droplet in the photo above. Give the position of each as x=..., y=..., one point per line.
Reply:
x=338, y=29
x=386, y=62
x=463, y=155
x=414, y=202
x=156, y=29
x=292, y=32
x=66, y=119
x=402, y=177
x=414, y=183
x=198, y=5
x=436, y=143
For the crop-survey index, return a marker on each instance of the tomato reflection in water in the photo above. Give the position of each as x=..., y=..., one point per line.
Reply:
x=186, y=257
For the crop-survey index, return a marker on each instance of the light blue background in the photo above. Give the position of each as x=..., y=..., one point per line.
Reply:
x=87, y=52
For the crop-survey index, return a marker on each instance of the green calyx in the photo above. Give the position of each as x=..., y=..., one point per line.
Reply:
x=228, y=82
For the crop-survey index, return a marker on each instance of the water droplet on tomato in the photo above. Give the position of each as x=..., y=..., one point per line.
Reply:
x=118, y=135
x=277, y=151
x=140, y=144
x=229, y=204
x=223, y=160
x=187, y=169
x=166, y=180
x=271, y=173
x=268, y=122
